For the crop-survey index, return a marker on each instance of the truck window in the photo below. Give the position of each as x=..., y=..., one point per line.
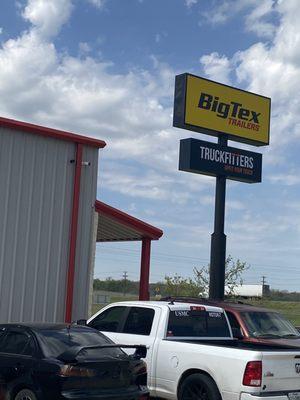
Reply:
x=232, y=320
x=109, y=320
x=139, y=321
x=209, y=324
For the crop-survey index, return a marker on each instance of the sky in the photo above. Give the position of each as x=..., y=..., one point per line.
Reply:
x=106, y=69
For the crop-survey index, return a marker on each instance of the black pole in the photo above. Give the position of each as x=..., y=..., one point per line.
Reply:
x=218, y=238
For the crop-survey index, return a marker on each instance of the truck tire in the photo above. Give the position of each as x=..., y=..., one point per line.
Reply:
x=198, y=387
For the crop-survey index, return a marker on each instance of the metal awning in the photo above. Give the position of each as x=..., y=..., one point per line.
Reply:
x=114, y=226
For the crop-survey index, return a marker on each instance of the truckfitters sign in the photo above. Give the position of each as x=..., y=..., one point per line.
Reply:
x=212, y=159
x=209, y=107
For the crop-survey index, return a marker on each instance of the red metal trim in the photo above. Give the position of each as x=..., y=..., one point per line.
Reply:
x=55, y=133
x=145, y=269
x=146, y=230
x=73, y=235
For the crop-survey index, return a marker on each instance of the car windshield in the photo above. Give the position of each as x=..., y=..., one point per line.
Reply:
x=55, y=342
x=269, y=325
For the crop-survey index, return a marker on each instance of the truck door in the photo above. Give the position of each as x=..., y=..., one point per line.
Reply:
x=140, y=327
x=131, y=325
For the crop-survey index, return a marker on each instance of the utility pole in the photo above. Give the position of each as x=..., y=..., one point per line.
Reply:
x=125, y=276
x=264, y=280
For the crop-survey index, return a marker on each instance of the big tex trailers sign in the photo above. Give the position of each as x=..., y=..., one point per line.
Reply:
x=212, y=108
x=209, y=107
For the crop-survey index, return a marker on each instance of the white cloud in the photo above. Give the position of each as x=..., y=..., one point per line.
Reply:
x=271, y=69
x=1, y=30
x=84, y=48
x=256, y=14
x=216, y=67
x=131, y=111
x=125, y=180
x=97, y=3
x=47, y=16
x=287, y=179
x=257, y=22
x=190, y=3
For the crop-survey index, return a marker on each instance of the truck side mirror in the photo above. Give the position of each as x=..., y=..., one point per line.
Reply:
x=140, y=352
x=81, y=322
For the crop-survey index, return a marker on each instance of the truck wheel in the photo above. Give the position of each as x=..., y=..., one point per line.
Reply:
x=198, y=387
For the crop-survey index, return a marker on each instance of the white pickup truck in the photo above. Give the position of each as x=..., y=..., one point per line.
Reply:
x=193, y=356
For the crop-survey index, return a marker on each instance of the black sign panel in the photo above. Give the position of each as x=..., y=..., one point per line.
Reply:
x=212, y=159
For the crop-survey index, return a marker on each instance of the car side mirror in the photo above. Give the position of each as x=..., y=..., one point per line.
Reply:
x=81, y=322
x=140, y=352
x=237, y=334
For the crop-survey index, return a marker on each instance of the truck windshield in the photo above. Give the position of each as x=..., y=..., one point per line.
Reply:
x=209, y=324
x=269, y=324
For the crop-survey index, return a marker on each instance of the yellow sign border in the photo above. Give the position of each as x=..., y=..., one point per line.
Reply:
x=180, y=105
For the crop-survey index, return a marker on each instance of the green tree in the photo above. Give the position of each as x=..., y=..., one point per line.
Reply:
x=233, y=276
x=199, y=285
x=178, y=286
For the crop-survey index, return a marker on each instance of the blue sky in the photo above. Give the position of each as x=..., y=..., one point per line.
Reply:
x=106, y=68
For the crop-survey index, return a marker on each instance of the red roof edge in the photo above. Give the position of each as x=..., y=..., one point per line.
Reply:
x=146, y=230
x=55, y=133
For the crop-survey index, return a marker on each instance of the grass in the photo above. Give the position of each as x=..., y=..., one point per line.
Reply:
x=114, y=299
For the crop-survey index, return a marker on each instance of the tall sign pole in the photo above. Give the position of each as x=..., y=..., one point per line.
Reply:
x=218, y=238
x=208, y=107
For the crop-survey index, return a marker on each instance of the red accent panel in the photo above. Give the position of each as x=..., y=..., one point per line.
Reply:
x=145, y=269
x=57, y=134
x=146, y=230
x=73, y=236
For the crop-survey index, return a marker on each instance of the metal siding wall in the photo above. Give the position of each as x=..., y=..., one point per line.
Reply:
x=36, y=180
x=85, y=237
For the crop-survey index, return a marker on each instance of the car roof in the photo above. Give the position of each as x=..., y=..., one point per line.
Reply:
x=173, y=305
x=227, y=305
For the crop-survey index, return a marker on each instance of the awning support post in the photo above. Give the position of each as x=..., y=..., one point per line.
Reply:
x=145, y=269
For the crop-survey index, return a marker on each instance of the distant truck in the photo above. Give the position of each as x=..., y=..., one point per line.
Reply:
x=192, y=354
x=245, y=291
x=249, y=291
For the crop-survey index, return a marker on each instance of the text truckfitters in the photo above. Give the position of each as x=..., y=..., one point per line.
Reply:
x=226, y=157
x=233, y=111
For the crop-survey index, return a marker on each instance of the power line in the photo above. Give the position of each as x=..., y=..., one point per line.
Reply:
x=156, y=256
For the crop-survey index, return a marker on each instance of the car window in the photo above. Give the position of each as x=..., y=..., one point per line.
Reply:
x=139, y=321
x=55, y=342
x=232, y=320
x=18, y=343
x=269, y=324
x=109, y=320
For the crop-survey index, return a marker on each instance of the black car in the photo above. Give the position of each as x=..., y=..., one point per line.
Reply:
x=59, y=361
